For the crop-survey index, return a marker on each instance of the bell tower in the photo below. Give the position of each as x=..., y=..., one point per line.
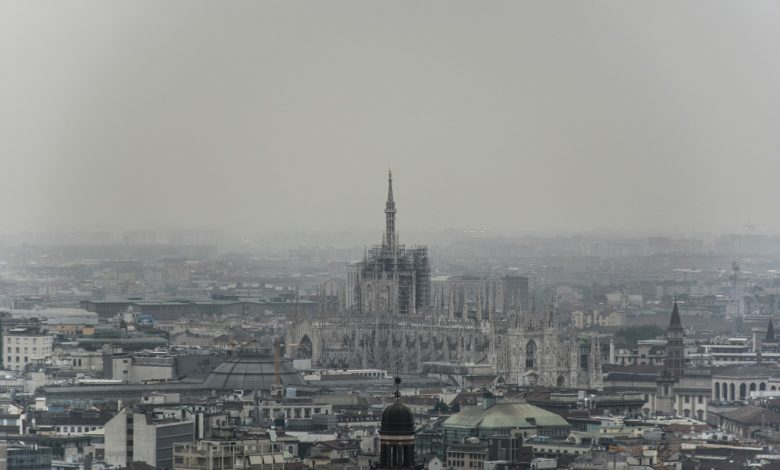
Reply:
x=673, y=365
x=675, y=349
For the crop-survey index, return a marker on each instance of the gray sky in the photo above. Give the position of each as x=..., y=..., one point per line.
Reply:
x=284, y=115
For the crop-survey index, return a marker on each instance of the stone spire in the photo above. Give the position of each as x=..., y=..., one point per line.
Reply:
x=675, y=349
x=770, y=333
x=390, y=211
x=674, y=322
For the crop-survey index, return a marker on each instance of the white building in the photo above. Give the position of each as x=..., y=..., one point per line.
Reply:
x=148, y=434
x=26, y=345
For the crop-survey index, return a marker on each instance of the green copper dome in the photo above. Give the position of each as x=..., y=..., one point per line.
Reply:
x=504, y=415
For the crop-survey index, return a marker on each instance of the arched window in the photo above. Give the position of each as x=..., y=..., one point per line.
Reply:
x=717, y=391
x=742, y=391
x=561, y=381
x=530, y=355
x=305, y=348
x=752, y=387
x=732, y=394
x=762, y=386
x=700, y=415
x=725, y=394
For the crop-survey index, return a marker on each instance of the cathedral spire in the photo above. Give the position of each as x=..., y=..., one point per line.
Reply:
x=390, y=187
x=390, y=241
x=770, y=333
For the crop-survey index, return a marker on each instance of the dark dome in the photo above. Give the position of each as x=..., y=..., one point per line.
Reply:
x=251, y=370
x=397, y=419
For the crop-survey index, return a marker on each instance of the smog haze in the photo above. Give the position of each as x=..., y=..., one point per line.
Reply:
x=258, y=116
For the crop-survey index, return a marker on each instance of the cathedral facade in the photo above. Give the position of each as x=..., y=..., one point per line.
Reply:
x=390, y=321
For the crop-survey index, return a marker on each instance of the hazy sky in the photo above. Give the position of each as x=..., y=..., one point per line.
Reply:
x=256, y=116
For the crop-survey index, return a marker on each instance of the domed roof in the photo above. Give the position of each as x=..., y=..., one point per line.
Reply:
x=504, y=415
x=252, y=370
x=397, y=419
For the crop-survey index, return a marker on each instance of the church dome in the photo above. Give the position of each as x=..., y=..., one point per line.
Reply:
x=252, y=370
x=397, y=419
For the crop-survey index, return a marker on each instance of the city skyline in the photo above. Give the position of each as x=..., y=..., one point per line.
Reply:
x=352, y=235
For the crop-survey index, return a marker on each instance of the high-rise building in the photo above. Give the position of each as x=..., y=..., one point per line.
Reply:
x=391, y=279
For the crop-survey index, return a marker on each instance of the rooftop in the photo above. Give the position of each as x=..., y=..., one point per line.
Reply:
x=746, y=370
x=752, y=415
x=504, y=415
x=252, y=370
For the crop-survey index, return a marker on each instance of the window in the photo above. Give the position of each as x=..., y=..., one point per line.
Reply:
x=530, y=355
x=687, y=399
x=700, y=400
